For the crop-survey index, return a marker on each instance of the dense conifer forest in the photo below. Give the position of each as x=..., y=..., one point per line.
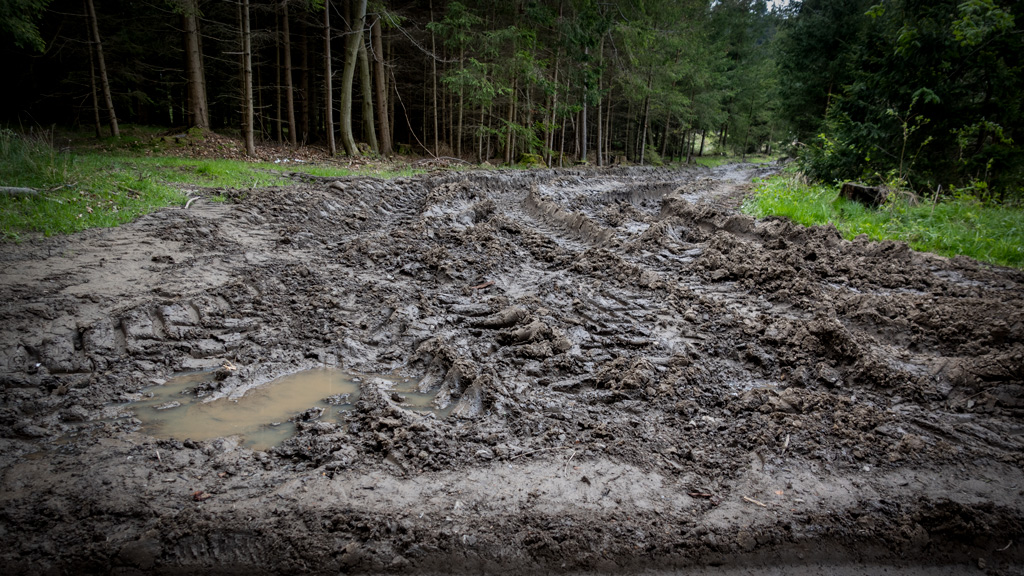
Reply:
x=926, y=95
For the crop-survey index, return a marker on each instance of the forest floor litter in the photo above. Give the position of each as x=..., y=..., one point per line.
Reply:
x=580, y=371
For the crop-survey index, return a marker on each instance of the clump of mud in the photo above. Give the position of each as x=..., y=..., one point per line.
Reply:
x=631, y=373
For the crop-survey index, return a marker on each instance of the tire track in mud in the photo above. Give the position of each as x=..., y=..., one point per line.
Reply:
x=626, y=358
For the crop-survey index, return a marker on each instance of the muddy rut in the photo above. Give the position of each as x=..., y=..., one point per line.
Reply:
x=634, y=376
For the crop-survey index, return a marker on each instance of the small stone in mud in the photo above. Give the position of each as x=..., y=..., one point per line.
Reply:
x=746, y=541
x=168, y=405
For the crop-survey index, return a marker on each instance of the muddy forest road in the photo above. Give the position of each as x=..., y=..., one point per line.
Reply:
x=639, y=378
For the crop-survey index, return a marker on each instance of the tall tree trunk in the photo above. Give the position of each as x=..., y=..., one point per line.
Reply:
x=279, y=119
x=703, y=133
x=600, y=80
x=328, y=88
x=199, y=113
x=392, y=96
x=458, y=134
x=367, y=89
x=664, y=136
x=95, y=98
x=433, y=76
x=647, y=115
x=289, y=92
x=103, y=69
x=549, y=140
x=511, y=119
x=746, y=135
x=380, y=86
x=352, y=42
x=583, y=115
x=304, y=92
x=608, y=128
x=246, y=66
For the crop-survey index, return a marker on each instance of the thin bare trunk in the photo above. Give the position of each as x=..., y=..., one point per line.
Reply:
x=380, y=85
x=458, y=135
x=328, y=88
x=433, y=76
x=664, y=136
x=647, y=116
x=608, y=128
x=289, y=91
x=95, y=98
x=103, y=69
x=352, y=42
x=198, y=111
x=367, y=89
x=583, y=117
x=279, y=119
x=246, y=65
x=509, y=139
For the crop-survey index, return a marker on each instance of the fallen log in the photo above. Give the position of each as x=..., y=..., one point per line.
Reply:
x=15, y=191
x=872, y=196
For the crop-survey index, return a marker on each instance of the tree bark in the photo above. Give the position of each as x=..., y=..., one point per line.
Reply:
x=380, y=85
x=367, y=89
x=647, y=114
x=433, y=71
x=458, y=135
x=328, y=88
x=352, y=41
x=304, y=92
x=95, y=98
x=289, y=91
x=246, y=65
x=509, y=139
x=703, y=132
x=103, y=69
x=198, y=111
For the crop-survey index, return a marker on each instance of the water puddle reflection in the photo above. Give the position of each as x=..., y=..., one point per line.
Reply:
x=261, y=416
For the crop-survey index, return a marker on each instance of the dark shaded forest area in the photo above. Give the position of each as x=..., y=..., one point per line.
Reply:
x=924, y=95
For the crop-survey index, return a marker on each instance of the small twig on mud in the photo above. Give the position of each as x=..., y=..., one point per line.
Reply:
x=701, y=495
x=158, y=458
x=482, y=286
x=566, y=469
x=785, y=444
x=752, y=501
x=535, y=451
x=190, y=201
x=1004, y=548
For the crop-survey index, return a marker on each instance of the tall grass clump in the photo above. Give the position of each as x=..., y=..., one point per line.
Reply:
x=957, y=224
x=69, y=194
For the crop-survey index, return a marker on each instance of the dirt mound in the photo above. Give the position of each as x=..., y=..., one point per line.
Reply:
x=637, y=377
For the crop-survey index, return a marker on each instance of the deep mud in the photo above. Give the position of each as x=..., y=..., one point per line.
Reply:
x=641, y=379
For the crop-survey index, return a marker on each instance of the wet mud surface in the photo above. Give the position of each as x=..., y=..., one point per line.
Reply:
x=631, y=376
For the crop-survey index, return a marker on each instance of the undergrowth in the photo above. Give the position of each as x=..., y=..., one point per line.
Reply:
x=958, y=225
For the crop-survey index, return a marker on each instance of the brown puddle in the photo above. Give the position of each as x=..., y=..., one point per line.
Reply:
x=261, y=416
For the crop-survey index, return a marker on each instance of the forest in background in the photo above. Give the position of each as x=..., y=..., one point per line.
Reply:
x=915, y=94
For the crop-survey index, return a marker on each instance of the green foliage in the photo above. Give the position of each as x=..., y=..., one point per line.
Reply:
x=957, y=225
x=18, y=22
x=923, y=93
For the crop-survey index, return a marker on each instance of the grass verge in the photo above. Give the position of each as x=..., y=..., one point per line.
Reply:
x=716, y=161
x=951, y=227
x=95, y=189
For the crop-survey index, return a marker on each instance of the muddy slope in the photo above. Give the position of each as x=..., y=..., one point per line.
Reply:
x=641, y=378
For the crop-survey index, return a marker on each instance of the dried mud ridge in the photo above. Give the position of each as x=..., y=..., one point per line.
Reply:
x=643, y=378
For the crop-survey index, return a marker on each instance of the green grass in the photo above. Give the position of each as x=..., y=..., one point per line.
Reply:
x=716, y=161
x=954, y=226
x=107, y=188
